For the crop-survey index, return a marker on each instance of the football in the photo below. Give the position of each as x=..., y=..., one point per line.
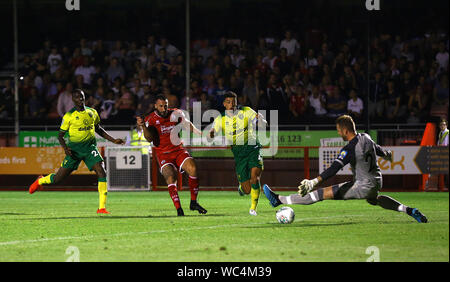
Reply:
x=285, y=215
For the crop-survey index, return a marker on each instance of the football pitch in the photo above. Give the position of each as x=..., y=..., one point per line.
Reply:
x=143, y=226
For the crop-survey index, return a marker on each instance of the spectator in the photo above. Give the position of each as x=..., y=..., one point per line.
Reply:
x=54, y=60
x=146, y=103
x=439, y=106
x=318, y=102
x=218, y=92
x=355, y=105
x=77, y=59
x=284, y=63
x=6, y=101
x=205, y=102
x=107, y=109
x=377, y=96
x=99, y=54
x=171, y=50
x=442, y=57
x=236, y=57
x=34, y=107
x=65, y=102
x=394, y=110
x=251, y=92
x=86, y=70
x=206, y=51
x=275, y=98
x=115, y=70
x=270, y=59
x=125, y=107
x=336, y=104
x=290, y=44
x=416, y=106
x=137, y=90
x=310, y=60
x=299, y=102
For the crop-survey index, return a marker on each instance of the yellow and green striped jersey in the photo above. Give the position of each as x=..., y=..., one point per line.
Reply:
x=239, y=128
x=80, y=125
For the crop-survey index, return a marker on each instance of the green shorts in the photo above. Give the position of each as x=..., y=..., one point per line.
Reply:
x=246, y=157
x=88, y=153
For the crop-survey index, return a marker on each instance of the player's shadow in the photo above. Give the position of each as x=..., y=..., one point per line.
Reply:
x=122, y=217
x=13, y=213
x=300, y=225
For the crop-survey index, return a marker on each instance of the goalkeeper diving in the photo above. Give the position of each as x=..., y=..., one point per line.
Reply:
x=361, y=152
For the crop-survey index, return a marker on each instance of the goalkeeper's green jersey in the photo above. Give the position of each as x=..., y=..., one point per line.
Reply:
x=80, y=125
x=239, y=129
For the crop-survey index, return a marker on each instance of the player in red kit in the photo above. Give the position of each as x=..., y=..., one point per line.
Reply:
x=171, y=154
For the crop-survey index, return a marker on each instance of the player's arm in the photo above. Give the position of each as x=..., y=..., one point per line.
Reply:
x=385, y=154
x=216, y=128
x=100, y=131
x=260, y=120
x=187, y=124
x=61, y=140
x=345, y=156
x=148, y=136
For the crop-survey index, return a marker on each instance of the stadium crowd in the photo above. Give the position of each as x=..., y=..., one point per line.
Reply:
x=306, y=83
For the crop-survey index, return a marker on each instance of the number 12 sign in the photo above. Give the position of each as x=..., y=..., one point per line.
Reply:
x=129, y=160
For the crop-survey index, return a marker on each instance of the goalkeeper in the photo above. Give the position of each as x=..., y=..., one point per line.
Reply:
x=361, y=153
x=81, y=123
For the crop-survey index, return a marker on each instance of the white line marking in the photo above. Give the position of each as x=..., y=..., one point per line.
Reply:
x=157, y=231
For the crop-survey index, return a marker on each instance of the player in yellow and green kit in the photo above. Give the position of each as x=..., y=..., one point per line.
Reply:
x=81, y=123
x=238, y=126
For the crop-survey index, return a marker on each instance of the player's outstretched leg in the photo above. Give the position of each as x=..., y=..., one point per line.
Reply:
x=389, y=203
x=271, y=196
x=35, y=186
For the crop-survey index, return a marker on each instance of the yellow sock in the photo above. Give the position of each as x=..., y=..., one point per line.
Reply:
x=46, y=179
x=102, y=193
x=256, y=190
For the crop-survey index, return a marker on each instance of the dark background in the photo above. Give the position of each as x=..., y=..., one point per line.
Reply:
x=135, y=20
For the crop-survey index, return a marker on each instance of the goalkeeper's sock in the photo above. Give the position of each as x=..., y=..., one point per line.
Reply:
x=308, y=199
x=193, y=186
x=174, y=195
x=254, y=193
x=102, y=193
x=47, y=179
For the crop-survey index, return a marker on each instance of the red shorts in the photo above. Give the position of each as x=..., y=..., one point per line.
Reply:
x=175, y=159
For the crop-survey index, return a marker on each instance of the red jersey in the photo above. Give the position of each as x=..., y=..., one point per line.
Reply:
x=165, y=127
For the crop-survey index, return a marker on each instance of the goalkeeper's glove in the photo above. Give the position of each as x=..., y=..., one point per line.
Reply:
x=306, y=186
x=388, y=155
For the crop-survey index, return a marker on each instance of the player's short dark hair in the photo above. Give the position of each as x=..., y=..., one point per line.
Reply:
x=346, y=121
x=77, y=90
x=230, y=94
x=160, y=97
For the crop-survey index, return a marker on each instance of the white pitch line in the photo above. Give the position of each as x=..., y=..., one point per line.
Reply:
x=154, y=231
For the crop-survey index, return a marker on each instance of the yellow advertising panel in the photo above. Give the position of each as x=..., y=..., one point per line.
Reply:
x=44, y=160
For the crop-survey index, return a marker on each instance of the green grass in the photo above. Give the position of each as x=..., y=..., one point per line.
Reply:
x=143, y=227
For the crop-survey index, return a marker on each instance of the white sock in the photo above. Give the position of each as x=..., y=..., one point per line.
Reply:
x=402, y=208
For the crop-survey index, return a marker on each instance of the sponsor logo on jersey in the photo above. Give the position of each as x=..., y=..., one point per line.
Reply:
x=86, y=128
x=342, y=154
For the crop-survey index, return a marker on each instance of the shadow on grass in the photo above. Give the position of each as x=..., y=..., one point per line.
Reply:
x=121, y=217
x=300, y=225
x=13, y=213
